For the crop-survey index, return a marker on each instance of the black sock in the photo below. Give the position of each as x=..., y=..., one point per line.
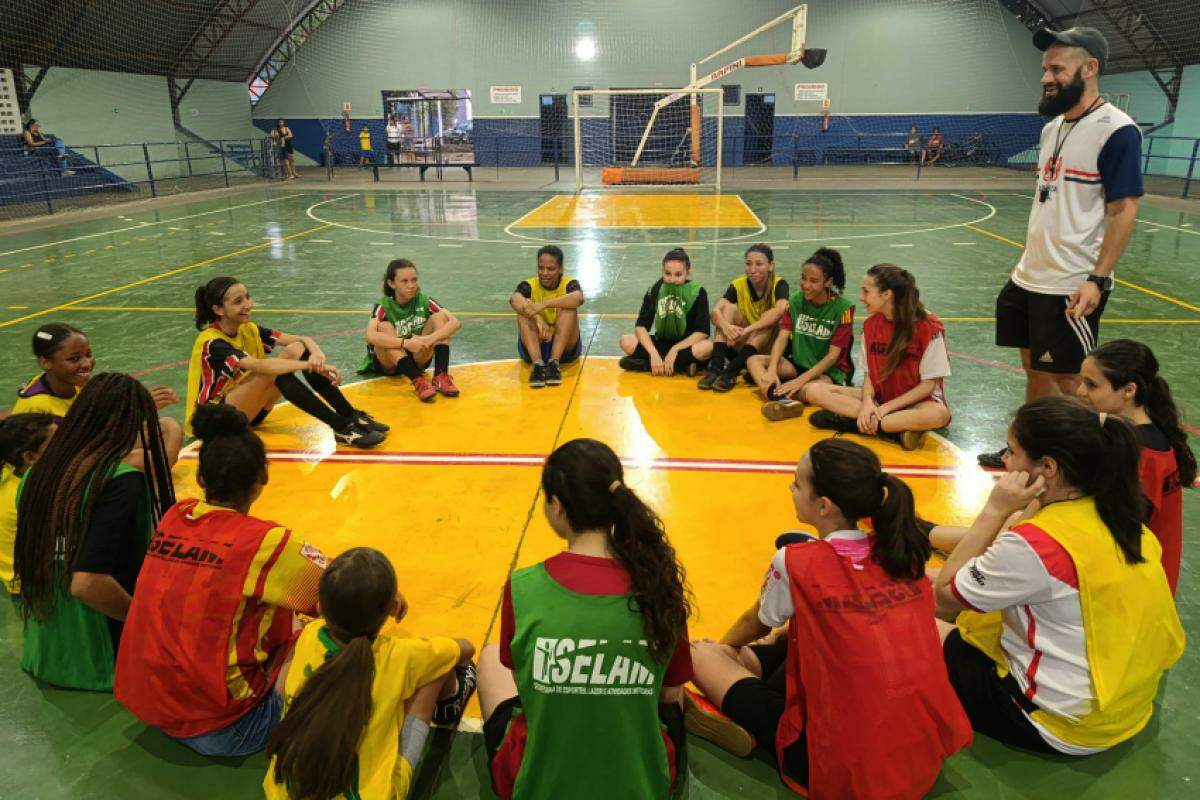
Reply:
x=407, y=367
x=296, y=392
x=719, y=354
x=441, y=359
x=330, y=394
x=739, y=361
x=683, y=358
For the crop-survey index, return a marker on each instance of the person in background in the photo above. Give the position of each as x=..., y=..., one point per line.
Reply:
x=394, y=138
x=364, y=145
x=23, y=439
x=85, y=515
x=50, y=145
x=912, y=144
x=287, y=151
x=407, y=139
x=933, y=147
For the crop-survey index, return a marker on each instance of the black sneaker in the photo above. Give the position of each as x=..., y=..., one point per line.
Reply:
x=748, y=378
x=693, y=368
x=707, y=380
x=631, y=364
x=537, y=376
x=449, y=711
x=364, y=420
x=553, y=373
x=357, y=436
x=724, y=382
x=828, y=421
x=993, y=460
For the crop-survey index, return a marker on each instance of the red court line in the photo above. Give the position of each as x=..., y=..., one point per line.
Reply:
x=987, y=362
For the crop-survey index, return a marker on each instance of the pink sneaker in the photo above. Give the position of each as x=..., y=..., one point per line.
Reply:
x=444, y=384
x=424, y=389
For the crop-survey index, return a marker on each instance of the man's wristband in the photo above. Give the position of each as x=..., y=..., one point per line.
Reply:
x=1105, y=282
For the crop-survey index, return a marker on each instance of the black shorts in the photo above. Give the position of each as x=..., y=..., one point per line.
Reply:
x=663, y=346
x=1039, y=323
x=379, y=369
x=996, y=706
x=757, y=705
x=393, y=148
x=496, y=726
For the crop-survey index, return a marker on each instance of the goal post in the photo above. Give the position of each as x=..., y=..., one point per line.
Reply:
x=648, y=137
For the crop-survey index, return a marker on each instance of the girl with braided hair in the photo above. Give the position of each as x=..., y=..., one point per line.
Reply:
x=85, y=513
x=861, y=645
x=592, y=639
x=23, y=438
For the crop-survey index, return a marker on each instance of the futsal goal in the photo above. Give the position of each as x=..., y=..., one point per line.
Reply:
x=663, y=136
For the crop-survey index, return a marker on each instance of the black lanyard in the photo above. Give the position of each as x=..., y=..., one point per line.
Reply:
x=1060, y=141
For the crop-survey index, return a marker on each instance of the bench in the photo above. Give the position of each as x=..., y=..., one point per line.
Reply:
x=866, y=154
x=424, y=167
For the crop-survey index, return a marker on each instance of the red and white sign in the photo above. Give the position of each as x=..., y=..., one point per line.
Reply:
x=811, y=91
x=506, y=95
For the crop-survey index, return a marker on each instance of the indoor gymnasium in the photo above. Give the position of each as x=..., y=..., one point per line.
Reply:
x=581, y=399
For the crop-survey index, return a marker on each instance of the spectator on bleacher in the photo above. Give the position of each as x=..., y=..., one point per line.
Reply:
x=1089, y=181
x=49, y=146
x=364, y=143
x=912, y=144
x=394, y=136
x=933, y=147
x=406, y=139
x=287, y=152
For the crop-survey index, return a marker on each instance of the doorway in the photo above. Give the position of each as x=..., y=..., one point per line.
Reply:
x=759, y=139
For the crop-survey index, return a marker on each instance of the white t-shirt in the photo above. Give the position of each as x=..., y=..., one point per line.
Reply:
x=393, y=133
x=1099, y=161
x=775, y=605
x=1031, y=579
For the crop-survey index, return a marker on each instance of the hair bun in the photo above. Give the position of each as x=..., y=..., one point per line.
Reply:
x=217, y=419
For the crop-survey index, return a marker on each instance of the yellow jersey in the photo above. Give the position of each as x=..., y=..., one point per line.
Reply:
x=539, y=294
x=9, y=481
x=364, y=139
x=401, y=666
x=213, y=370
x=35, y=397
x=753, y=308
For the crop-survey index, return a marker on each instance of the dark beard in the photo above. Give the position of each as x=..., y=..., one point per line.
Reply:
x=1064, y=99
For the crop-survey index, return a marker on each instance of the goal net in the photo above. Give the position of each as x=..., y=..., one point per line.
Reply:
x=647, y=137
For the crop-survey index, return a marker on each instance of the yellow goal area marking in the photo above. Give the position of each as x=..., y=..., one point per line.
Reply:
x=641, y=211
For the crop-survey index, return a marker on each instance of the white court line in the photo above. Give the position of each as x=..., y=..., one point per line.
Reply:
x=146, y=224
x=1179, y=228
x=382, y=244
x=757, y=218
x=900, y=245
x=321, y=241
x=443, y=244
x=542, y=205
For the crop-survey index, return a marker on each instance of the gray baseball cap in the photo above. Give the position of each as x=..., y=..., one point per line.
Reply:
x=1089, y=39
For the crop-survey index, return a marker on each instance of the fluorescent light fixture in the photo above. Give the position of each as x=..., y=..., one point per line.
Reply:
x=585, y=48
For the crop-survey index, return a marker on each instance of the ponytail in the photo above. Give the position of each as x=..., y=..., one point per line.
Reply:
x=209, y=295
x=1097, y=454
x=1124, y=361
x=852, y=478
x=829, y=261
x=586, y=477
x=316, y=743
x=907, y=309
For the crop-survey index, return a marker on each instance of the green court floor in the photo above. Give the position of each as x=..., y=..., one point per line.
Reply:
x=313, y=260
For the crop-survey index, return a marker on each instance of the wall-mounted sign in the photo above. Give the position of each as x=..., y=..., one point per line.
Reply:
x=811, y=91
x=506, y=95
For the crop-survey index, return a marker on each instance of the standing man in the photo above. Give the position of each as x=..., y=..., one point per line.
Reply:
x=1084, y=210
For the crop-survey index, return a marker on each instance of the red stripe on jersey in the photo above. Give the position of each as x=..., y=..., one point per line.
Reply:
x=433, y=307
x=1082, y=172
x=1054, y=556
x=958, y=595
x=1031, y=673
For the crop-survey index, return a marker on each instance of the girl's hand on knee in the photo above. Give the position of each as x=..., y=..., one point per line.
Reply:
x=163, y=396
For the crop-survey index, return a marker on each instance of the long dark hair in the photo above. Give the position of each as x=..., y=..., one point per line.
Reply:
x=49, y=337
x=678, y=254
x=390, y=274
x=907, y=309
x=586, y=477
x=851, y=476
x=1125, y=361
x=112, y=415
x=21, y=434
x=209, y=295
x=1098, y=455
x=829, y=261
x=232, y=457
x=316, y=743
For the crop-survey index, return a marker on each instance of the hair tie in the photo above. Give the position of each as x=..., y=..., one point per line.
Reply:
x=1103, y=418
x=44, y=335
x=612, y=487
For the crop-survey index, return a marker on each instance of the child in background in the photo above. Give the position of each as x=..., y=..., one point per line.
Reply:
x=65, y=357
x=676, y=309
x=904, y=350
x=23, y=438
x=861, y=645
x=1121, y=377
x=820, y=326
x=408, y=330
x=580, y=697
x=358, y=703
x=364, y=143
x=218, y=587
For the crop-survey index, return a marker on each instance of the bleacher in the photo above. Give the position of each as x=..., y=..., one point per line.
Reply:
x=32, y=178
